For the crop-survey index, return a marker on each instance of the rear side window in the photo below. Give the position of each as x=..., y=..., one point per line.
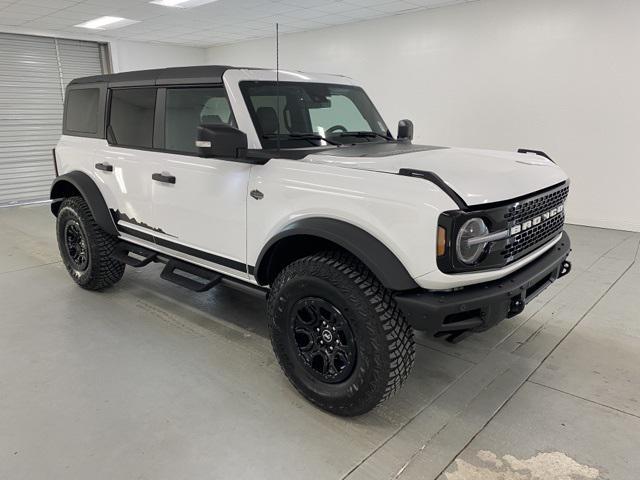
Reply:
x=81, y=114
x=187, y=108
x=131, y=117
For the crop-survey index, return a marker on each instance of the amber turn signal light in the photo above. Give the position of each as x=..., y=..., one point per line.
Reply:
x=441, y=242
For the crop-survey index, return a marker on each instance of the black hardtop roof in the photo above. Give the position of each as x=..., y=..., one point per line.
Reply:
x=161, y=76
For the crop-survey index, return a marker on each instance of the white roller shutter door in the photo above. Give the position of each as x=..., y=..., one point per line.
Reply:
x=34, y=71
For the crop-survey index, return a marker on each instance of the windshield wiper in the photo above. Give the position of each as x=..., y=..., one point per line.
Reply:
x=302, y=136
x=365, y=134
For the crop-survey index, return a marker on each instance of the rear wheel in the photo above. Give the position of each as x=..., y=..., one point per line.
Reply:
x=337, y=333
x=85, y=248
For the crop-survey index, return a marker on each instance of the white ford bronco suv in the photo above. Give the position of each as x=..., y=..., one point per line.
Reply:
x=292, y=183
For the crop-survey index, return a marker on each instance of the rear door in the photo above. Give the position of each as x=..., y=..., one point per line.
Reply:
x=126, y=164
x=203, y=214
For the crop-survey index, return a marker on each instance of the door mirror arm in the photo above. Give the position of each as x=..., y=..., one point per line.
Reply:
x=257, y=157
x=226, y=142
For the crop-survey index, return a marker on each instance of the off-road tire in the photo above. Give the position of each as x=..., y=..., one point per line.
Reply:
x=101, y=269
x=384, y=339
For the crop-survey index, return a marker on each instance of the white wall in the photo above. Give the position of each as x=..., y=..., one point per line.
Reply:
x=562, y=76
x=126, y=55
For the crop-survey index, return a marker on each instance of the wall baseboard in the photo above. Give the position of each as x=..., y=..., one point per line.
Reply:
x=627, y=225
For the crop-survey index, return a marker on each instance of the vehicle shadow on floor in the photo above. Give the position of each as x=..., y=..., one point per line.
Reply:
x=236, y=305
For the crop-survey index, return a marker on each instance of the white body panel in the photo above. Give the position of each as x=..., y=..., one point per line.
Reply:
x=78, y=153
x=209, y=207
x=128, y=188
x=396, y=210
x=478, y=176
x=206, y=208
x=130, y=180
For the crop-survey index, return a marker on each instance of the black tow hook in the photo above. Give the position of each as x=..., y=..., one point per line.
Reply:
x=565, y=269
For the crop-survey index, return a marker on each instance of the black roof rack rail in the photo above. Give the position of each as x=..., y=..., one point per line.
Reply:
x=162, y=76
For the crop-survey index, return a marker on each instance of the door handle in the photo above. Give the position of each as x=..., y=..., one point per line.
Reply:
x=105, y=167
x=164, y=178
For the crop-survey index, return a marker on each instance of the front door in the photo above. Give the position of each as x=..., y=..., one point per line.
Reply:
x=203, y=212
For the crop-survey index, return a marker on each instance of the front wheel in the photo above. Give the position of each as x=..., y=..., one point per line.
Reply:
x=85, y=248
x=337, y=333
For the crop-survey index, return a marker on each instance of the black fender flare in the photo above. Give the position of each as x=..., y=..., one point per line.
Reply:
x=85, y=185
x=372, y=252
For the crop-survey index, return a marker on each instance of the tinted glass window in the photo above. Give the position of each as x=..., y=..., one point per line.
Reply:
x=342, y=109
x=131, y=117
x=292, y=113
x=81, y=114
x=187, y=108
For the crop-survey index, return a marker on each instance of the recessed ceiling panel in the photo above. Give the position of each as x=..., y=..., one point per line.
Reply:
x=199, y=23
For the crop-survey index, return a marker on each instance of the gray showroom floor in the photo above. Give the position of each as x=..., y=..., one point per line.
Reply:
x=150, y=381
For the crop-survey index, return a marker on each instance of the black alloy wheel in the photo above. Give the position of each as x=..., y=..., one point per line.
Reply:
x=85, y=248
x=75, y=243
x=338, y=334
x=325, y=343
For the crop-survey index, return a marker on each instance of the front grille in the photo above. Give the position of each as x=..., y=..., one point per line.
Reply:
x=524, y=242
x=528, y=221
x=533, y=236
x=527, y=209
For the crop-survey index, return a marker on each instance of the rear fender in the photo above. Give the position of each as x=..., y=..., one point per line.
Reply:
x=79, y=183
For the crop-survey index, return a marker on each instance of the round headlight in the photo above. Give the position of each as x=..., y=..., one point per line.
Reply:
x=469, y=251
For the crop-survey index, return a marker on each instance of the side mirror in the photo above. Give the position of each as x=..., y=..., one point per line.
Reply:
x=405, y=131
x=221, y=141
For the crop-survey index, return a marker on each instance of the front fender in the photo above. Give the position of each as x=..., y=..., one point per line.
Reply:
x=368, y=249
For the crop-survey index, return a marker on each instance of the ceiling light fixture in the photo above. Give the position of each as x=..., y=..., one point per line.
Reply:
x=181, y=3
x=107, y=23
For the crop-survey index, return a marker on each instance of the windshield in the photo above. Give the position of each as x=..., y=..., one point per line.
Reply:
x=312, y=114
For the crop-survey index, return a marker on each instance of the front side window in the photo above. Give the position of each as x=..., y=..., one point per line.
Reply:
x=187, y=108
x=299, y=114
x=131, y=117
x=81, y=113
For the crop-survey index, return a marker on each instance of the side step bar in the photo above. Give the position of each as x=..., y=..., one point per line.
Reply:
x=181, y=273
x=122, y=252
x=171, y=273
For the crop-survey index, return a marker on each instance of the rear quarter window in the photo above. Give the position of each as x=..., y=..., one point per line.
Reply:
x=131, y=117
x=81, y=112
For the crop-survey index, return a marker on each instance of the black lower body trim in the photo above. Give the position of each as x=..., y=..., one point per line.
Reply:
x=479, y=307
x=136, y=233
x=209, y=257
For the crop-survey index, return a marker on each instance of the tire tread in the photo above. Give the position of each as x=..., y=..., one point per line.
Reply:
x=109, y=270
x=398, y=334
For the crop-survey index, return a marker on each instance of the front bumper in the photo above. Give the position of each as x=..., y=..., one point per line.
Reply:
x=479, y=307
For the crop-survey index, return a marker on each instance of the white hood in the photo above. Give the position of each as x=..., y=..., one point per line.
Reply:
x=478, y=176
